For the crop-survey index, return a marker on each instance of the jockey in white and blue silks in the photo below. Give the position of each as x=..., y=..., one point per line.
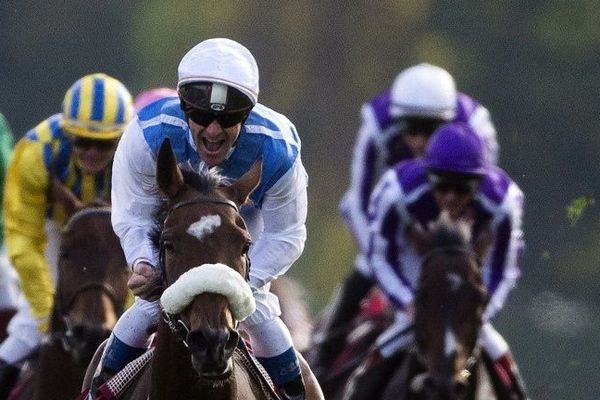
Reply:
x=455, y=177
x=216, y=76
x=395, y=126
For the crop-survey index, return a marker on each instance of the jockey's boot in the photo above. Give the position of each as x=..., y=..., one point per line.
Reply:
x=372, y=377
x=506, y=378
x=344, y=308
x=293, y=390
x=8, y=378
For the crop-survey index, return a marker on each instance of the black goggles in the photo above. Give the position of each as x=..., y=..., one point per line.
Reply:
x=461, y=185
x=418, y=126
x=225, y=119
x=86, y=143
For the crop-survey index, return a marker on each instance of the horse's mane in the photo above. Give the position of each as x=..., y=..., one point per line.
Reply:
x=206, y=181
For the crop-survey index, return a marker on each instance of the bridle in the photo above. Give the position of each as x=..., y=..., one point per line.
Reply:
x=66, y=336
x=471, y=361
x=173, y=321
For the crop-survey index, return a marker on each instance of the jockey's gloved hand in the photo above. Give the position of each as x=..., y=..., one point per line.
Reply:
x=146, y=281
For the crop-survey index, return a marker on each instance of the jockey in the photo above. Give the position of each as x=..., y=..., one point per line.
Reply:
x=396, y=125
x=72, y=150
x=9, y=283
x=453, y=176
x=215, y=123
x=148, y=96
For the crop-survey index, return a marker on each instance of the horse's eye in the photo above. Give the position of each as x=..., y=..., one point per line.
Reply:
x=246, y=247
x=167, y=245
x=63, y=255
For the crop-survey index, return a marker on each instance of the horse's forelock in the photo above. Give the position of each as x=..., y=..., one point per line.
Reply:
x=205, y=182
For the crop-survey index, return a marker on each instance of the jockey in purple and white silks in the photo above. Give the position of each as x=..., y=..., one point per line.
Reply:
x=420, y=95
x=453, y=176
x=396, y=125
x=215, y=122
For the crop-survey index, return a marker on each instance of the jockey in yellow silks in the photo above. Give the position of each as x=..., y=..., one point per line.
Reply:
x=72, y=150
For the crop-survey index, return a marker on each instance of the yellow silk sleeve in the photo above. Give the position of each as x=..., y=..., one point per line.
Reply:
x=25, y=207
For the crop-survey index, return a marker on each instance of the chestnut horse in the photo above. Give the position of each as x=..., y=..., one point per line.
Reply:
x=91, y=293
x=203, y=244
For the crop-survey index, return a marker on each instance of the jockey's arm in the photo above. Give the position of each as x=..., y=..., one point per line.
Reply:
x=481, y=122
x=284, y=211
x=502, y=262
x=25, y=209
x=134, y=196
x=364, y=173
x=386, y=221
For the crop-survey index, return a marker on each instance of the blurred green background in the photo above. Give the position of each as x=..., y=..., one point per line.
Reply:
x=534, y=64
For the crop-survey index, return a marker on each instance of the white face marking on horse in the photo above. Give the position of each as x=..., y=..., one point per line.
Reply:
x=205, y=226
x=454, y=280
x=449, y=343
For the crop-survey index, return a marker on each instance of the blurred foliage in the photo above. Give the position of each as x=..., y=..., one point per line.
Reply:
x=577, y=207
x=534, y=64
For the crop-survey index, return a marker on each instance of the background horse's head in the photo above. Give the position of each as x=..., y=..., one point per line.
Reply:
x=448, y=306
x=203, y=245
x=92, y=283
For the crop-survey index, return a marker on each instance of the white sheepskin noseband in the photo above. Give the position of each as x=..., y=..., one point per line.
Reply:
x=210, y=278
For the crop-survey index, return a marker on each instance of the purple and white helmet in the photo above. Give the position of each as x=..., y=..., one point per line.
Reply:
x=456, y=148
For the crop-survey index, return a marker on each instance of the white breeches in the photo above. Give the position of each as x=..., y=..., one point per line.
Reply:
x=390, y=341
x=268, y=333
x=9, y=283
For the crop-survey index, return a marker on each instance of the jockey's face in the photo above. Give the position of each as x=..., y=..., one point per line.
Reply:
x=453, y=202
x=416, y=131
x=93, y=156
x=213, y=142
x=454, y=196
x=416, y=142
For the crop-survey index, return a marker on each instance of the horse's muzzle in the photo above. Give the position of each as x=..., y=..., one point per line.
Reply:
x=211, y=352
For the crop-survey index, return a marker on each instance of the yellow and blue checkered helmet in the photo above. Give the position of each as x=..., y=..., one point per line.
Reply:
x=97, y=106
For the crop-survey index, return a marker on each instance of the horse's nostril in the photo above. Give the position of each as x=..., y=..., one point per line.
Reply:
x=460, y=388
x=197, y=342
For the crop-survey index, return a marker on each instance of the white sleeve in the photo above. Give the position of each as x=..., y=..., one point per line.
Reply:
x=382, y=207
x=513, y=207
x=135, y=195
x=364, y=174
x=284, y=211
x=481, y=122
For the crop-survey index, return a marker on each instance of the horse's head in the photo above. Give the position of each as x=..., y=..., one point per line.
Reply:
x=448, y=306
x=92, y=283
x=203, y=244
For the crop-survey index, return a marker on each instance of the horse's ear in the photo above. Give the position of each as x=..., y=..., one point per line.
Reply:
x=168, y=174
x=243, y=187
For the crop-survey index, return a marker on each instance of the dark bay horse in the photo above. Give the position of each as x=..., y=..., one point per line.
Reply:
x=449, y=303
x=203, y=244
x=91, y=293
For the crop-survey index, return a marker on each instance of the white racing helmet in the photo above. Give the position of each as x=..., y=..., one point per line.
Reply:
x=221, y=61
x=424, y=91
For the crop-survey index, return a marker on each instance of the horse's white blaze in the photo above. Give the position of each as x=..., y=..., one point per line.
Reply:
x=455, y=281
x=210, y=278
x=205, y=226
x=449, y=343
